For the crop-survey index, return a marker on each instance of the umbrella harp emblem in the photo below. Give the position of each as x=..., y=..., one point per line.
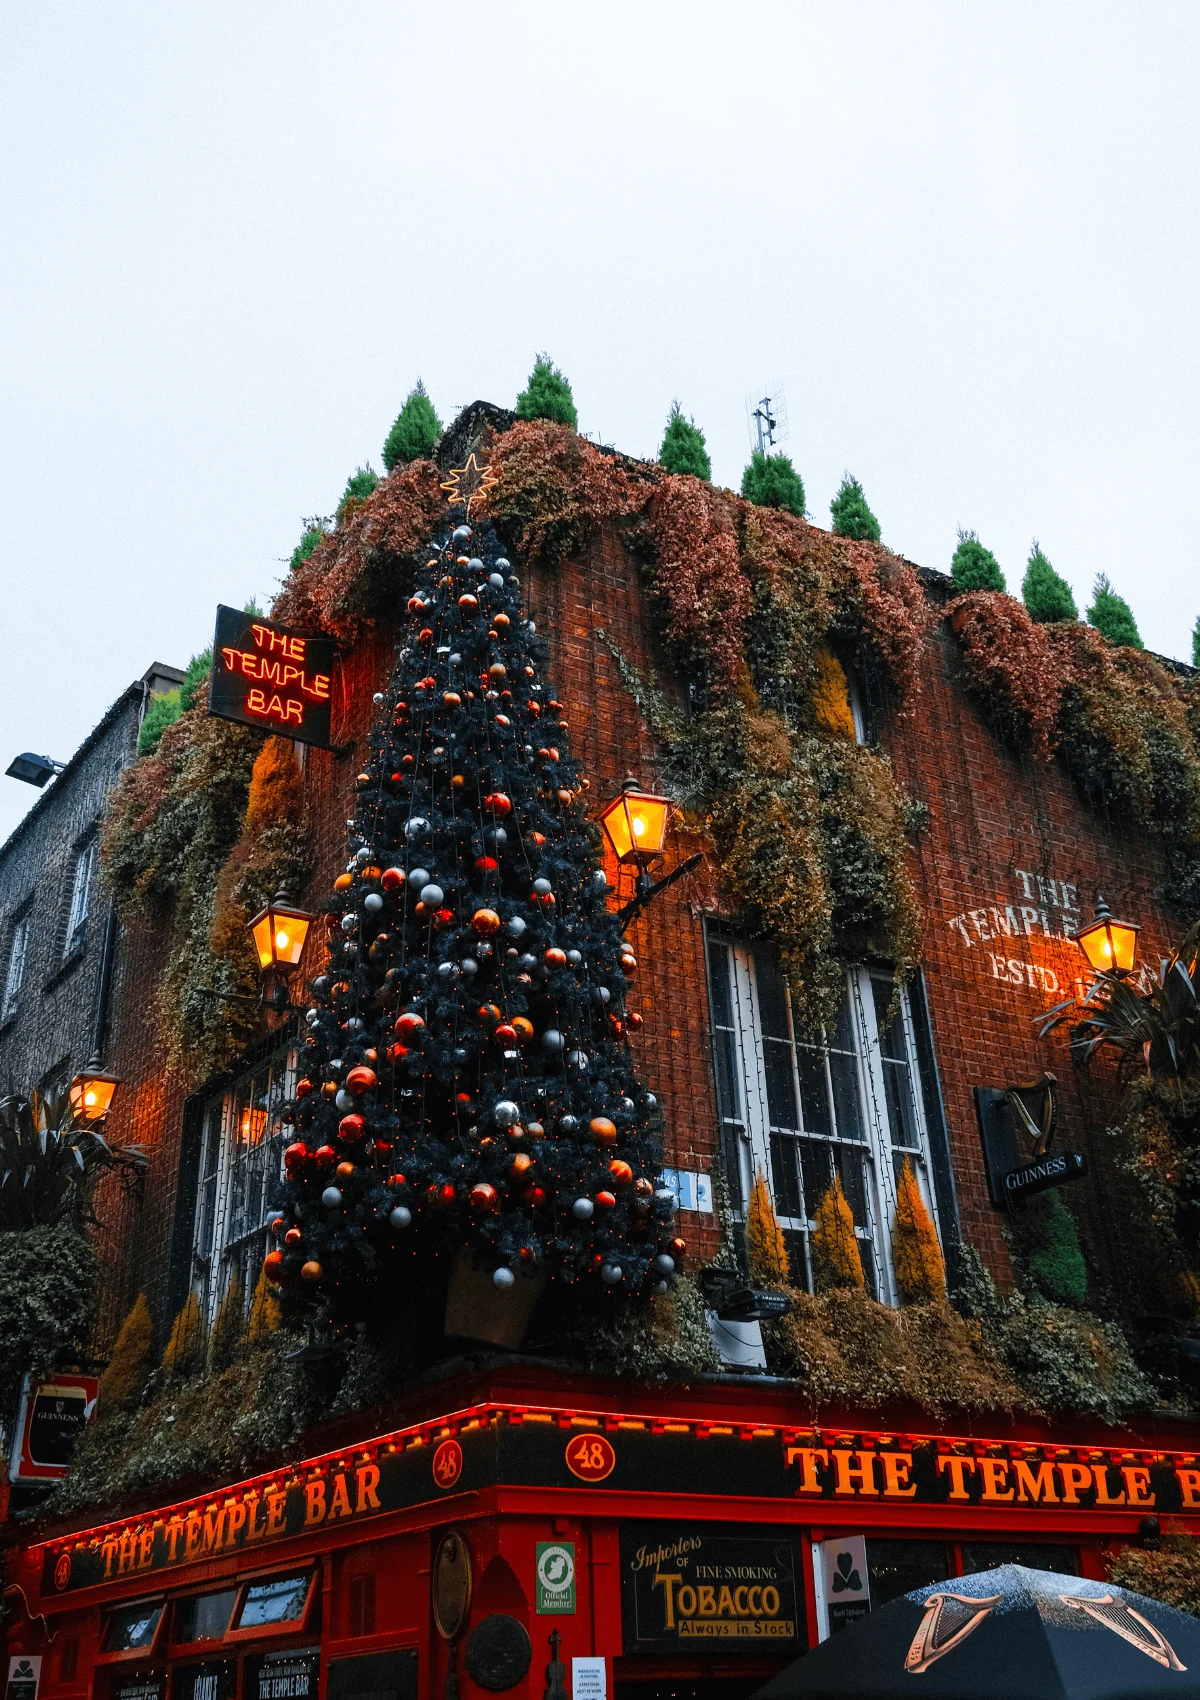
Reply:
x=935, y=1637
x=1130, y=1625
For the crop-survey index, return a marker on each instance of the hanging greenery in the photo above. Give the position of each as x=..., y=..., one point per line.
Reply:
x=48, y=1290
x=1125, y=724
x=1170, y=1574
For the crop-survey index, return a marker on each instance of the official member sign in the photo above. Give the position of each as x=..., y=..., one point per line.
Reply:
x=683, y=1586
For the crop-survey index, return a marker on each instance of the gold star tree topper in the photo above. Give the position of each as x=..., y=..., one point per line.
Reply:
x=469, y=483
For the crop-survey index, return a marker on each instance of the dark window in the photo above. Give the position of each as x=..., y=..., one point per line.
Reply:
x=68, y=1658
x=273, y=1602
x=362, y=1604
x=897, y=1567
x=14, y=974
x=205, y=1617
x=132, y=1626
x=986, y=1555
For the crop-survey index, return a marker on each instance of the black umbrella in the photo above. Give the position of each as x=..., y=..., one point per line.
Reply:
x=1005, y=1634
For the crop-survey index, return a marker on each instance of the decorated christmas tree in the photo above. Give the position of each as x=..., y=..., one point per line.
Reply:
x=467, y=1083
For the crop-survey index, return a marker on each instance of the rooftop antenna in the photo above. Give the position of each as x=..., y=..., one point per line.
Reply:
x=766, y=420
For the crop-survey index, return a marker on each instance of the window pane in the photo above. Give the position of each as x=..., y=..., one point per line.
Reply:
x=785, y=1182
x=718, y=968
x=816, y=1173
x=132, y=1626
x=843, y=1071
x=273, y=1602
x=781, y=1085
x=205, y=1617
x=14, y=979
x=896, y=1069
x=986, y=1555
x=725, y=1058
x=814, y=1090
x=897, y=1567
x=772, y=996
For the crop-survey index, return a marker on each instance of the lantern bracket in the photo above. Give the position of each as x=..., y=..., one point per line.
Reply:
x=648, y=889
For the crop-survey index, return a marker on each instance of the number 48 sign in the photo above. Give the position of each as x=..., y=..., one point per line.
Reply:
x=590, y=1457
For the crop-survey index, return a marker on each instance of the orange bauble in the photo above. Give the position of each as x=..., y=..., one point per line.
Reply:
x=311, y=1271
x=485, y=922
x=602, y=1130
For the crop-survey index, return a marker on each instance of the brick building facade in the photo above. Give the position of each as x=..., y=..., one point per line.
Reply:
x=507, y=1460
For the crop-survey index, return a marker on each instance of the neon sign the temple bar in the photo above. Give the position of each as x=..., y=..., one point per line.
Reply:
x=265, y=675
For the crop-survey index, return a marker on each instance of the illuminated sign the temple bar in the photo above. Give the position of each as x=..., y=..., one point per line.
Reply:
x=265, y=675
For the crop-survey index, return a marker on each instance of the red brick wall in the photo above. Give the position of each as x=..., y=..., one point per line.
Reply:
x=996, y=823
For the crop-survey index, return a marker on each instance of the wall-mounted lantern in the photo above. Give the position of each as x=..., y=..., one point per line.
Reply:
x=1109, y=945
x=92, y=1092
x=279, y=932
x=635, y=824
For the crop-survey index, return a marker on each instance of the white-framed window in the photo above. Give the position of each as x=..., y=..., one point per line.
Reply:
x=240, y=1176
x=81, y=897
x=14, y=974
x=803, y=1108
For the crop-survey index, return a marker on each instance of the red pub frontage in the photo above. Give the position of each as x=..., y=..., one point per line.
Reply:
x=536, y=1522
x=678, y=1538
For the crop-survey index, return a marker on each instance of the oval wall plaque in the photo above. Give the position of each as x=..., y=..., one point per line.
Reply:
x=451, y=1585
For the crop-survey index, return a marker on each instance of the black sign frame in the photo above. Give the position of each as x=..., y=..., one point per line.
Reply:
x=754, y=1575
x=1011, y=1173
x=272, y=677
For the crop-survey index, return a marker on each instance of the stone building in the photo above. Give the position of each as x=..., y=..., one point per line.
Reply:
x=60, y=956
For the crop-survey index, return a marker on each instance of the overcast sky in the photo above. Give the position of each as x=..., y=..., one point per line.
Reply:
x=961, y=237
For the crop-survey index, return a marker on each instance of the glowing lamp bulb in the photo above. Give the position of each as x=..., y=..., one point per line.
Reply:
x=635, y=824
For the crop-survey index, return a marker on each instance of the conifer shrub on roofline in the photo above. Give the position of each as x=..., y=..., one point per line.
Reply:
x=851, y=514
x=683, y=447
x=416, y=430
x=771, y=481
x=973, y=567
x=1112, y=615
x=547, y=395
x=1047, y=595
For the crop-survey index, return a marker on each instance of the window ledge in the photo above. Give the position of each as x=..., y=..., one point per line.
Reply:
x=65, y=967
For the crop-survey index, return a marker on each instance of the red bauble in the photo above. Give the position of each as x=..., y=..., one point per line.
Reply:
x=505, y=1034
x=303, y=1088
x=633, y=1020
x=605, y=1200
x=361, y=1079
x=273, y=1265
x=351, y=1127
x=556, y=958
x=496, y=800
x=296, y=1153
x=326, y=1156
x=621, y=1173
x=395, y=1180
x=486, y=864
x=409, y=1024
x=483, y=1197
x=392, y=879
x=293, y=1237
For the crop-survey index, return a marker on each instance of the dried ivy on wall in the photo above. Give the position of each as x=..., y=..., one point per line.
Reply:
x=200, y=833
x=1126, y=725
